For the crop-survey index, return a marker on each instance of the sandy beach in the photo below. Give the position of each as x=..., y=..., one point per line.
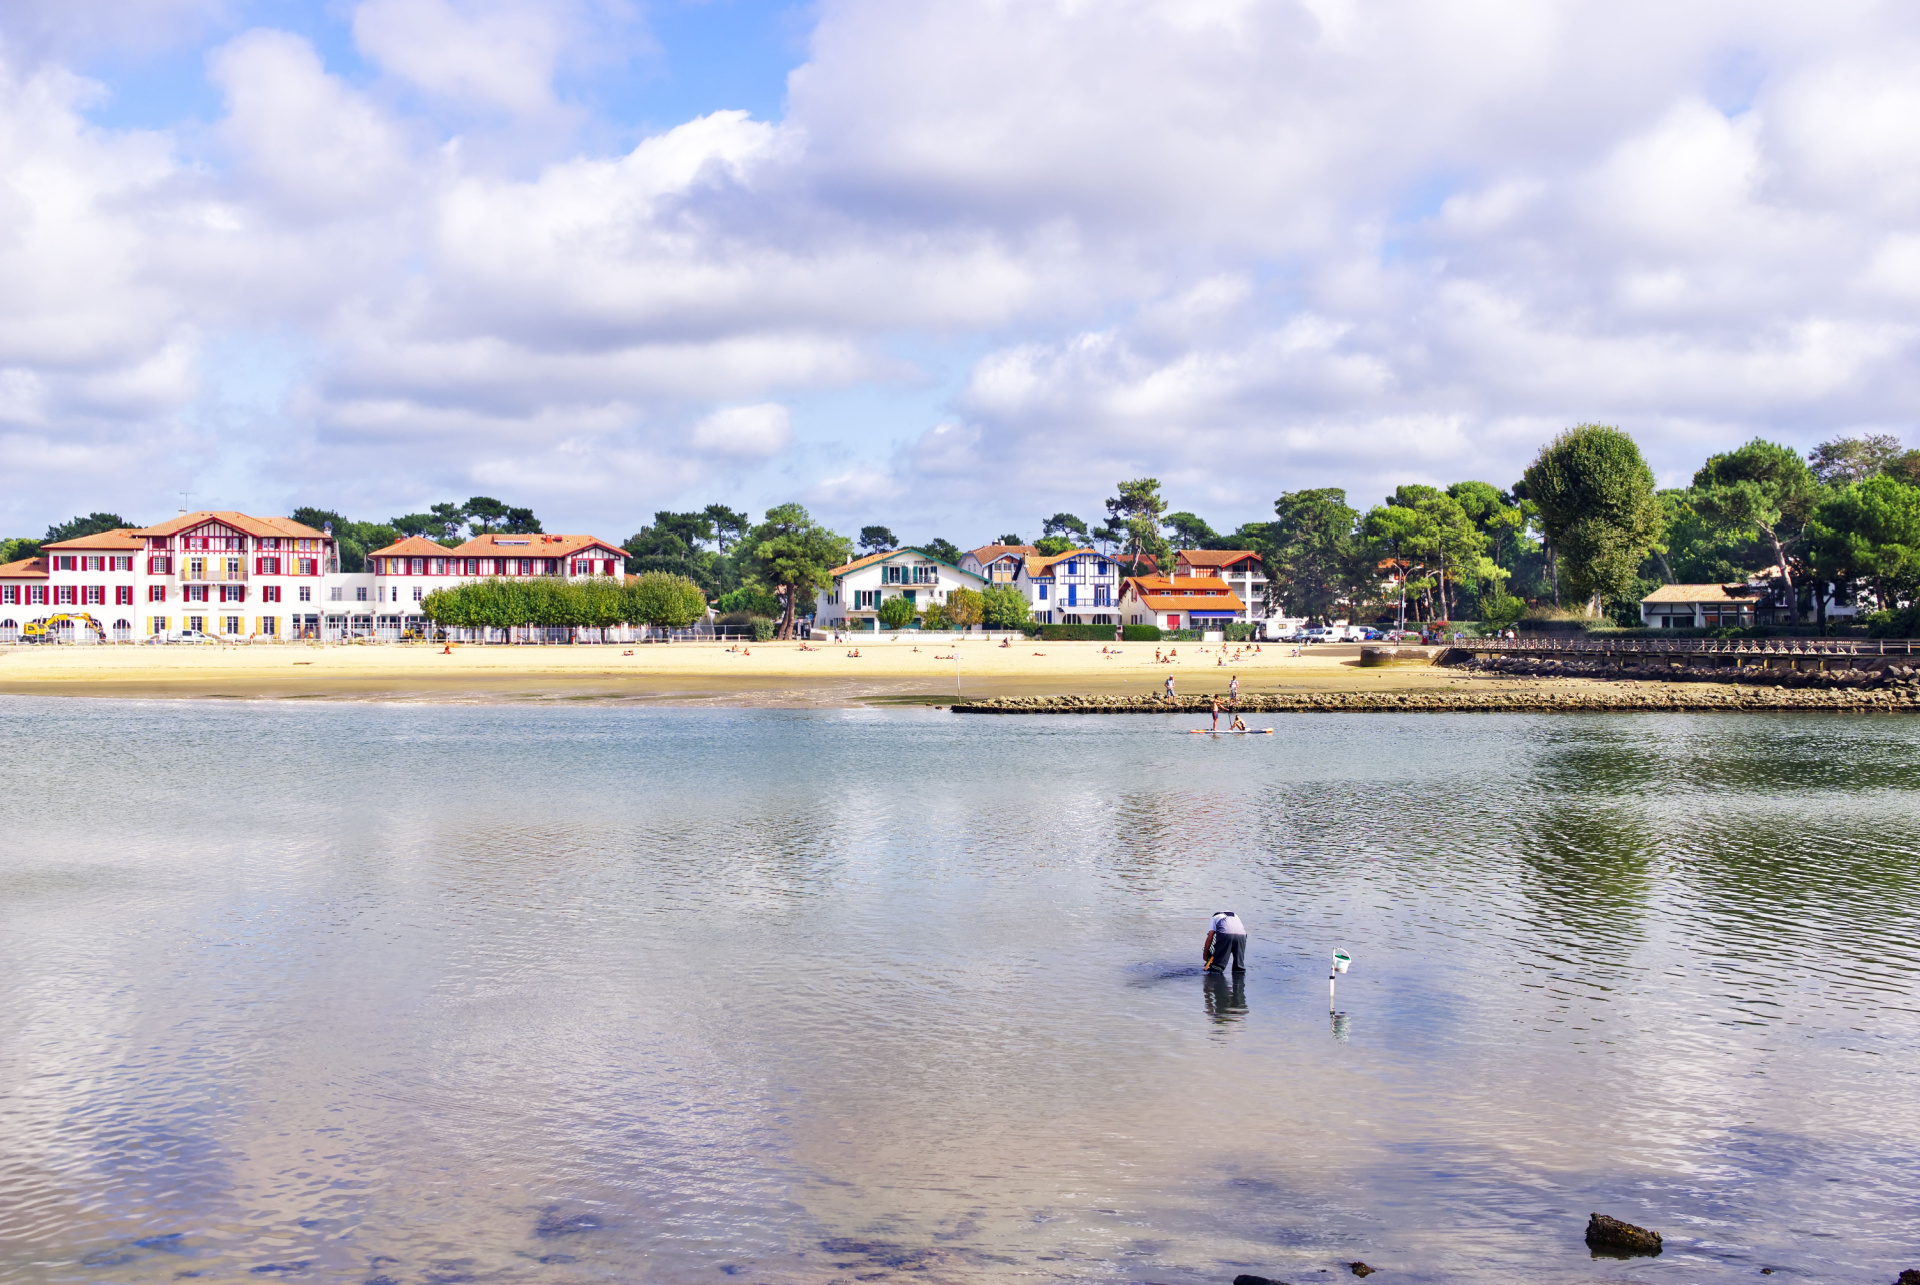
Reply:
x=760, y=673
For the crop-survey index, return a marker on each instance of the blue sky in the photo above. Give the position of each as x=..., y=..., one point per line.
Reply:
x=946, y=266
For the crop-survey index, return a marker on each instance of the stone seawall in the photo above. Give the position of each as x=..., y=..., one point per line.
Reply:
x=1863, y=672
x=1490, y=700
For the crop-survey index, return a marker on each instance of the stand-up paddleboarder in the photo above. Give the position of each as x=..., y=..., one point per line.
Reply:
x=1226, y=936
x=1216, y=714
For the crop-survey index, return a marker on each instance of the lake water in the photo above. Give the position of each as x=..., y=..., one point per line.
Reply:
x=424, y=994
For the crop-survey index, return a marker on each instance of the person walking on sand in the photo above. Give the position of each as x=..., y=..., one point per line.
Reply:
x=1226, y=937
x=1169, y=686
x=1233, y=688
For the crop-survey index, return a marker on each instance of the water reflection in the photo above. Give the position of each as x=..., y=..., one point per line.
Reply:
x=1226, y=1000
x=683, y=996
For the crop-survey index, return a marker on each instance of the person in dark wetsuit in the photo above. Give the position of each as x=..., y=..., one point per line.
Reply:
x=1227, y=936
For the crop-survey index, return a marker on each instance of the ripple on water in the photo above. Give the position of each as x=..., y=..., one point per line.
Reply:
x=417, y=993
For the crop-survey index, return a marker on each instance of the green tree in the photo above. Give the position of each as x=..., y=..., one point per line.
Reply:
x=1869, y=533
x=945, y=550
x=488, y=516
x=1189, y=530
x=75, y=528
x=662, y=600
x=1846, y=460
x=1064, y=526
x=934, y=616
x=729, y=527
x=1310, y=554
x=1003, y=607
x=1135, y=516
x=877, y=539
x=18, y=549
x=1053, y=546
x=896, y=612
x=966, y=608
x=794, y=557
x=749, y=600
x=1014, y=540
x=1766, y=488
x=1905, y=469
x=1596, y=500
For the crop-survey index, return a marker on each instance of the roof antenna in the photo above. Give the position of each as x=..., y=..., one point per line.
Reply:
x=184, y=497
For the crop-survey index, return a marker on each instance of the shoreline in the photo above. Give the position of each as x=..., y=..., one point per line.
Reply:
x=1032, y=678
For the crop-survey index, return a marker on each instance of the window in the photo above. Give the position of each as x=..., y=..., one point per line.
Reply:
x=304, y=546
x=866, y=599
x=10, y=594
x=159, y=625
x=1073, y=595
x=416, y=566
x=63, y=595
x=36, y=595
x=156, y=593
x=63, y=563
x=267, y=566
x=159, y=566
x=269, y=543
x=1073, y=569
x=306, y=593
x=1100, y=568
x=306, y=566
x=196, y=593
x=232, y=624
x=197, y=623
x=1043, y=593
x=270, y=593
x=359, y=593
x=233, y=593
x=90, y=563
x=123, y=595
x=267, y=625
x=196, y=568
x=417, y=592
x=123, y=562
x=1102, y=595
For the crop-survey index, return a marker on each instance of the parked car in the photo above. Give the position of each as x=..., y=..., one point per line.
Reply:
x=183, y=636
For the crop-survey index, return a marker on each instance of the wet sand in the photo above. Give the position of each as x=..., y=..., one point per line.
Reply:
x=698, y=673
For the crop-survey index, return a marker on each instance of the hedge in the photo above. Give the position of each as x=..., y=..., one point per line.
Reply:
x=1140, y=633
x=1077, y=633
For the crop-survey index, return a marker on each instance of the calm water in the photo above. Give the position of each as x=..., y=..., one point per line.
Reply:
x=435, y=994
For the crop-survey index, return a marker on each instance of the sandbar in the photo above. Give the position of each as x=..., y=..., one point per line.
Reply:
x=693, y=672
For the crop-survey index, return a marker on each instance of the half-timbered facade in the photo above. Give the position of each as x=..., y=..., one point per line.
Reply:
x=231, y=575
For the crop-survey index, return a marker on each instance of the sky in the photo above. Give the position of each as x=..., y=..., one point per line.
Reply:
x=941, y=265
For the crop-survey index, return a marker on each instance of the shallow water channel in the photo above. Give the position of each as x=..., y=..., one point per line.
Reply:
x=415, y=994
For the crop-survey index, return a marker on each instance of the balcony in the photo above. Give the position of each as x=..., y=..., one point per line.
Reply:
x=212, y=574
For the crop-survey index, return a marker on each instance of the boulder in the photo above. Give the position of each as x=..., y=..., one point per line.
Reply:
x=1246, y=1279
x=1361, y=1269
x=1611, y=1236
x=1909, y=1277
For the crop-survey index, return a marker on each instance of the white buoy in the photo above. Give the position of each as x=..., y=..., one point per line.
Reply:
x=1341, y=959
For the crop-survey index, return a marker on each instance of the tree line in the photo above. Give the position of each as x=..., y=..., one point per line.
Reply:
x=601, y=602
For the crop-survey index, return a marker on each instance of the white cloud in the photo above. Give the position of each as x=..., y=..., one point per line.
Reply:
x=497, y=55
x=751, y=432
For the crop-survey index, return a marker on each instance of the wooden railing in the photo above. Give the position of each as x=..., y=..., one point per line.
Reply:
x=1697, y=646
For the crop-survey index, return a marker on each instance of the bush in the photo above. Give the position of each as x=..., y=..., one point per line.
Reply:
x=1904, y=623
x=896, y=612
x=748, y=600
x=1241, y=631
x=1005, y=607
x=1077, y=633
x=763, y=628
x=1140, y=633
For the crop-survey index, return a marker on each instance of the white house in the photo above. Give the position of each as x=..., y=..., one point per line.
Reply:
x=399, y=577
x=1241, y=569
x=998, y=563
x=852, y=601
x=1726, y=606
x=1079, y=587
x=1180, y=602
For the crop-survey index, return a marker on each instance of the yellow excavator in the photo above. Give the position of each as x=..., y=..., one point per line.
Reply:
x=42, y=630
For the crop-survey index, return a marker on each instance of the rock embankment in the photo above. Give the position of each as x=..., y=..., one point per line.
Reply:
x=1484, y=699
x=1888, y=677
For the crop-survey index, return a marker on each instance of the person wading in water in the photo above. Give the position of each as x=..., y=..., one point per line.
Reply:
x=1225, y=936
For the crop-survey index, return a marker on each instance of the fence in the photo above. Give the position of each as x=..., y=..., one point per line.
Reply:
x=1697, y=646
